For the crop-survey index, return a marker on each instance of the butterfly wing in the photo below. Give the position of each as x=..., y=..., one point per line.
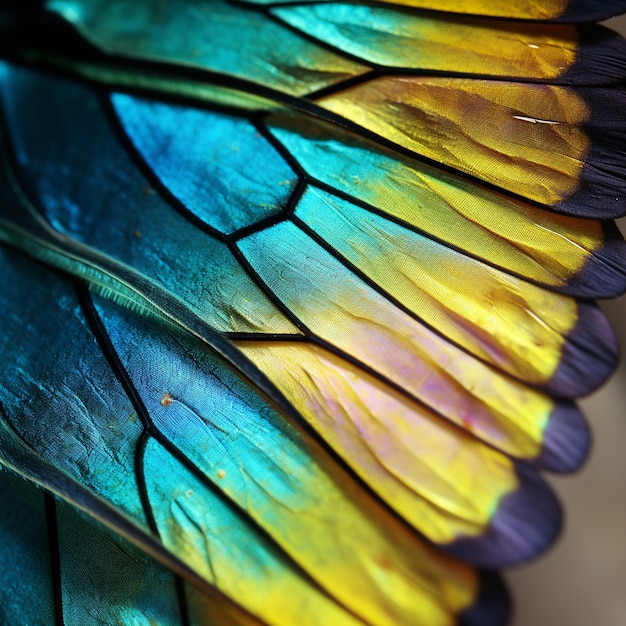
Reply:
x=249, y=507
x=405, y=280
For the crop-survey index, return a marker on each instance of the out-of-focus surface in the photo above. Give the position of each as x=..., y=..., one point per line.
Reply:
x=582, y=580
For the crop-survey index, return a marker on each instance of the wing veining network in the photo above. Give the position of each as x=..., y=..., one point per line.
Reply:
x=299, y=302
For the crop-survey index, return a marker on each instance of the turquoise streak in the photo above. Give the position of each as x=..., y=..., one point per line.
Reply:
x=212, y=35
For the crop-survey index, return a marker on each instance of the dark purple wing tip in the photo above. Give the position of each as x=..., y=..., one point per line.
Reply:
x=591, y=10
x=525, y=523
x=492, y=606
x=567, y=440
x=602, y=189
x=589, y=356
x=601, y=57
x=604, y=274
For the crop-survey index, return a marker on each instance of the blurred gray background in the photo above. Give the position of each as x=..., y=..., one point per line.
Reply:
x=581, y=581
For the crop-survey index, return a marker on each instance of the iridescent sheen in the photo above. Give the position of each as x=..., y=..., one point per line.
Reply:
x=343, y=310
x=548, y=248
x=559, y=10
x=125, y=213
x=426, y=41
x=297, y=302
x=393, y=443
x=215, y=36
x=209, y=162
x=527, y=139
x=530, y=9
x=272, y=473
x=103, y=575
x=215, y=423
x=447, y=290
x=86, y=407
x=218, y=542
